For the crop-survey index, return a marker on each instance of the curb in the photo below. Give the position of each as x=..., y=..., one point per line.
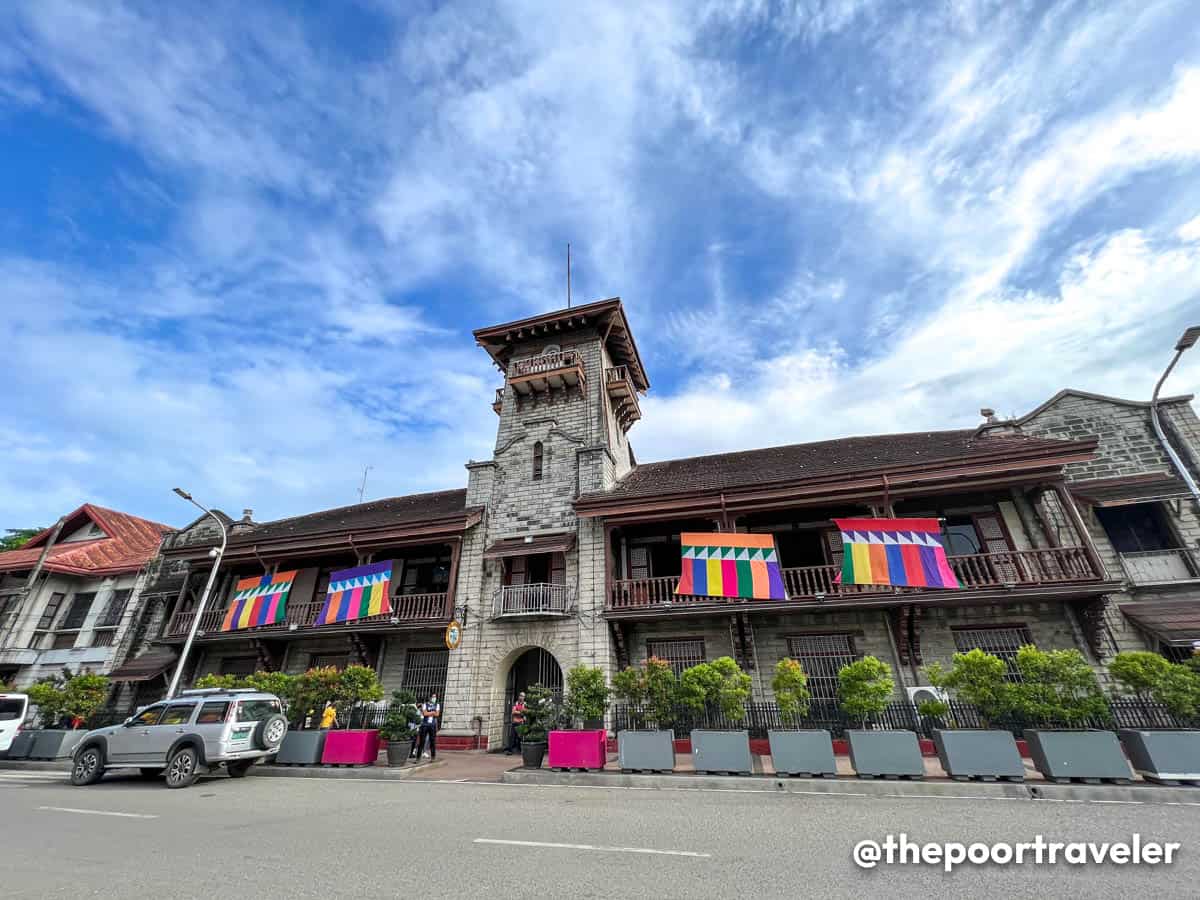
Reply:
x=854, y=787
x=374, y=773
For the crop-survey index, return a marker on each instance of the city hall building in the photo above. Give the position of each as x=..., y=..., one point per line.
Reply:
x=1065, y=528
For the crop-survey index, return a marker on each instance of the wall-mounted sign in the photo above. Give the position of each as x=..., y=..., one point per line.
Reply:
x=453, y=635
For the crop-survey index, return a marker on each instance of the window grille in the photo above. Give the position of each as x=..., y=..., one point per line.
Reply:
x=681, y=654
x=114, y=610
x=239, y=665
x=822, y=656
x=65, y=641
x=537, y=460
x=1003, y=642
x=425, y=672
x=79, y=610
x=323, y=660
x=51, y=610
x=103, y=638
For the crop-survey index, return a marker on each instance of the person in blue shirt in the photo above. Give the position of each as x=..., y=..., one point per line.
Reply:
x=431, y=713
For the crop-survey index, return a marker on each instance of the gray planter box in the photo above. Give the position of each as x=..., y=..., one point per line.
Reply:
x=1087, y=755
x=51, y=743
x=978, y=753
x=650, y=750
x=808, y=752
x=301, y=748
x=21, y=745
x=1164, y=756
x=722, y=751
x=894, y=754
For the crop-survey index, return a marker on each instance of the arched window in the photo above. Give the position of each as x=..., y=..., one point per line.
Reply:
x=537, y=461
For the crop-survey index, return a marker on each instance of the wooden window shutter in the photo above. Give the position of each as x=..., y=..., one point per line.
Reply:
x=639, y=562
x=558, y=568
x=833, y=545
x=516, y=571
x=993, y=536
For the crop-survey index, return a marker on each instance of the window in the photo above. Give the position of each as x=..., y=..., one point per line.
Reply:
x=425, y=672
x=103, y=638
x=256, y=710
x=64, y=641
x=822, y=656
x=682, y=653
x=178, y=714
x=212, y=713
x=537, y=568
x=322, y=660
x=11, y=708
x=79, y=610
x=428, y=575
x=537, y=461
x=148, y=716
x=239, y=665
x=1137, y=527
x=1002, y=641
x=660, y=558
x=114, y=610
x=50, y=612
x=960, y=536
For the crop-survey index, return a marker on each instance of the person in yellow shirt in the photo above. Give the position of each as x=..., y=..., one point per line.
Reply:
x=329, y=716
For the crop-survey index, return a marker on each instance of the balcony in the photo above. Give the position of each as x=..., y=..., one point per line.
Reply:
x=407, y=609
x=531, y=600
x=1148, y=567
x=549, y=372
x=976, y=572
x=498, y=403
x=623, y=395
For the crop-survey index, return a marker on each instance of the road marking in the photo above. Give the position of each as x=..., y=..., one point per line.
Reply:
x=33, y=774
x=594, y=847
x=97, y=812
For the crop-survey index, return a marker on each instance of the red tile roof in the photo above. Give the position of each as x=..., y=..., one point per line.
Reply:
x=130, y=543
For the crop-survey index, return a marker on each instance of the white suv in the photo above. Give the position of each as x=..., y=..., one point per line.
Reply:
x=196, y=733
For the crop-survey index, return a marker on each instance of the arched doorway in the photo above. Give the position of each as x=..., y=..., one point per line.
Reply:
x=535, y=666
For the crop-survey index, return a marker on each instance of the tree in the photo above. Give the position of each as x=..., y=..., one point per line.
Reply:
x=281, y=684
x=1138, y=671
x=865, y=688
x=977, y=678
x=83, y=695
x=16, y=538
x=720, y=683
x=313, y=689
x=587, y=694
x=1057, y=687
x=357, y=684
x=212, y=681
x=650, y=692
x=47, y=696
x=790, y=686
x=540, y=714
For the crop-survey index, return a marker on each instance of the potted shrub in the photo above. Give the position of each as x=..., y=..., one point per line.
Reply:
x=649, y=694
x=586, y=702
x=359, y=746
x=865, y=688
x=540, y=716
x=400, y=727
x=719, y=686
x=307, y=695
x=1058, y=689
x=797, y=751
x=69, y=703
x=980, y=679
x=1168, y=756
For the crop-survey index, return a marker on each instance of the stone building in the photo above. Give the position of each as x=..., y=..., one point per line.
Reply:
x=564, y=550
x=72, y=596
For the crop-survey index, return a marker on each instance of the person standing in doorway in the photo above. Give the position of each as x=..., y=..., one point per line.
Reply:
x=516, y=720
x=431, y=712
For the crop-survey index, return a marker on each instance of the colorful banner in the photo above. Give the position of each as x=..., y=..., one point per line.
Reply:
x=357, y=593
x=259, y=601
x=726, y=564
x=899, y=552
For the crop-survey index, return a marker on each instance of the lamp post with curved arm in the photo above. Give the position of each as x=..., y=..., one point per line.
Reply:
x=216, y=553
x=1186, y=342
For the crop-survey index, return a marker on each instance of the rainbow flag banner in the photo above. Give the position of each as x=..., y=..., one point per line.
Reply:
x=726, y=564
x=357, y=593
x=259, y=601
x=899, y=552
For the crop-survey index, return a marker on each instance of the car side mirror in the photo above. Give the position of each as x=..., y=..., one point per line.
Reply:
x=128, y=722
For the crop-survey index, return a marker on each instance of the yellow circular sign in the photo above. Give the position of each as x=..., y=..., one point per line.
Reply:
x=453, y=635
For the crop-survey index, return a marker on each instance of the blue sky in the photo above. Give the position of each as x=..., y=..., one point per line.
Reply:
x=243, y=251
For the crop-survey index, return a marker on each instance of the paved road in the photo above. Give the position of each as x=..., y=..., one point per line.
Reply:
x=261, y=837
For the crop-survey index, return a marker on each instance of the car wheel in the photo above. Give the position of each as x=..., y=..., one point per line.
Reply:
x=88, y=767
x=183, y=768
x=239, y=769
x=270, y=733
x=150, y=774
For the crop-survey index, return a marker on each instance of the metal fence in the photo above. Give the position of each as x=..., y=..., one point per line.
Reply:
x=763, y=717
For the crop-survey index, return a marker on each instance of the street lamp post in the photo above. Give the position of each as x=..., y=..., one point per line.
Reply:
x=1186, y=342
x=216, y=553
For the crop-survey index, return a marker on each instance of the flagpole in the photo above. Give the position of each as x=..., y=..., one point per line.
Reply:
x=216, y=553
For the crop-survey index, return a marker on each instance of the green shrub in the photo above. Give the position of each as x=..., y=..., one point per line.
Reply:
x=587, y=694
x=790, y=686
x=977, y=678
x=213, y=681
x=1179, y=691
x=662, y=691
x=720, y=683
x=402, y=719
x=280, y=684
x=313, y=689
x=540, y=714
x=865, y=688
x=629, y=685
x=1057, y=687
x=47, y=696
x=356, y=684
x=933, y=709
x=1138, y=671
x=83, y=695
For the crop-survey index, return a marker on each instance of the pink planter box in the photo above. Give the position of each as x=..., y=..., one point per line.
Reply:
x=351, y=748
x=578, y=749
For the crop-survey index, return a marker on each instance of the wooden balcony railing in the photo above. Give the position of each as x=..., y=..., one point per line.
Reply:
x=975, y=572
x=532, y=600
x=498, y=403
x=302, y=616
x=548, y=372
x=548, y=362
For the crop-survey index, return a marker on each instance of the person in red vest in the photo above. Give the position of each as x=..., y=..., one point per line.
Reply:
x=515, y=720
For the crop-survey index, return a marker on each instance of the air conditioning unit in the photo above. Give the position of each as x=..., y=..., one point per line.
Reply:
x=919, y=695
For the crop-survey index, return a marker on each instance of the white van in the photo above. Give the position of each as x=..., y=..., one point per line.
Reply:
x=13, y=708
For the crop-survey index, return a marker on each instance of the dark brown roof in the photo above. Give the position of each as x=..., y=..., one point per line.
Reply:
x=408, y=510
x=560, y=542
x=822, y=459
x=1129, y=489
x=1175, y=622
x=149, y=665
